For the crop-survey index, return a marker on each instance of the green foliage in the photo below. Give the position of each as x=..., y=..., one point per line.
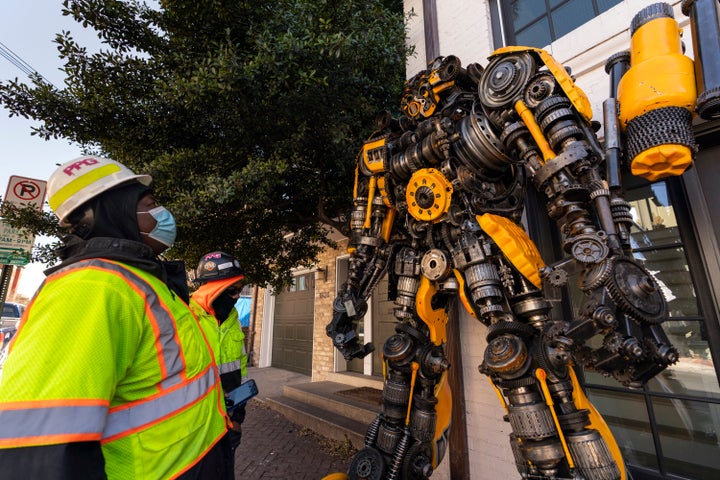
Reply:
x=247, y=114
x=30, y=220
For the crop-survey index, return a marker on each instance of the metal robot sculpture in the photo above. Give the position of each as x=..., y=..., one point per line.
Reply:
x=438, y=200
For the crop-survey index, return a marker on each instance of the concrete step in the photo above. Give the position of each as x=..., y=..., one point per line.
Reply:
x=355, y=379
x=328, y=424
x=321, y=407
x=325, y=395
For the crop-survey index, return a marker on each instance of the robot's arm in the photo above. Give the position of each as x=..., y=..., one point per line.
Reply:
x=371, y=221
x=347, y=311
x=545, y=123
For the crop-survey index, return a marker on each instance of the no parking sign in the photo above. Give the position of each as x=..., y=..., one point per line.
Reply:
x=14, y=244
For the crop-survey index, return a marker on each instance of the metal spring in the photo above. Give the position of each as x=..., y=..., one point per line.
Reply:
x=399, y=456
x=372, y=432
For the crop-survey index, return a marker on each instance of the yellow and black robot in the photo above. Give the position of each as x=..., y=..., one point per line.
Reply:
x=438, y=199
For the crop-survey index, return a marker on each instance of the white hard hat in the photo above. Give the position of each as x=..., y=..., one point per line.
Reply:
x=84, y=178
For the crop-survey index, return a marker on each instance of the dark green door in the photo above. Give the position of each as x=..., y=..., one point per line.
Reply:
x=293, y=326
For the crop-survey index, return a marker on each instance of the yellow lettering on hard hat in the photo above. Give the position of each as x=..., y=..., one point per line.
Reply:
x=79, y=183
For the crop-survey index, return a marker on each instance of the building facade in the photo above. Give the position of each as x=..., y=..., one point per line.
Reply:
x=670, y=428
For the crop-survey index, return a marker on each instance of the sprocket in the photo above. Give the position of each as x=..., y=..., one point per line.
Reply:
x=636, y=292
x=595, y=275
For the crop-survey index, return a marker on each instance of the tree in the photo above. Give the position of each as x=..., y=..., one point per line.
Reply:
x=248, y=114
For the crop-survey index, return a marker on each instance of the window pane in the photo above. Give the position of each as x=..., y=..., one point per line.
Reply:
x=555, y=3
x=301, y=283
x=571, y=15
x=655, y=225
x=537, y=35
x=525, y=12
x=689, y=438
x=606, y=5
x=652, y=214
x=626, y=415
x=694, y=374
x=670, y=269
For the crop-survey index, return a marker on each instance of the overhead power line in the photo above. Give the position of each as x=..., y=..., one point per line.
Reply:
x=21, y=64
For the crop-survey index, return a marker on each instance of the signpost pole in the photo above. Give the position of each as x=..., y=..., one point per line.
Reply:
x=5, y=281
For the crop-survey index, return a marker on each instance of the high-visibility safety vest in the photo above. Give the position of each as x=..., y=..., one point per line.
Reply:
x=227, y=341
x=106, y=352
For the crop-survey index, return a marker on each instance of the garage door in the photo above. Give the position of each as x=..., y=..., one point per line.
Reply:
x=293, y=326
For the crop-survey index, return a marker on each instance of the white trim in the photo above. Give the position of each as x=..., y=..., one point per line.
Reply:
x=367, y=361
x=266, y=334
x=339, y=362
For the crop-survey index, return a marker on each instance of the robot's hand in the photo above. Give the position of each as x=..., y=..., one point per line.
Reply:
x=347, y=311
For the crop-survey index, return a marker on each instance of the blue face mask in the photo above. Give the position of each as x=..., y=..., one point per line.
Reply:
x=165, y=230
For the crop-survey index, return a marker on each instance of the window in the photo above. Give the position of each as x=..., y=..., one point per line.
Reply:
x=669, y=428
x=536, y=23
x=301, y=283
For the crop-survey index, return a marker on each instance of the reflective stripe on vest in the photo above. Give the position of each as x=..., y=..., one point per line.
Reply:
x=229, y=367
x=66, y=421
x=169, y=352
x=128, y=418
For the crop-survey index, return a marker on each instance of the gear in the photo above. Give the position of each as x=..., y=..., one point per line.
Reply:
x=551, y=103
x=595, y=275
x=516, y=328
x=555, y=369
x=589, y=249
x=417, y=463
x=429, y=195
x=636, y=292
x=368, y=464
x=540, y=87
x=557, y=277
x=504, y=80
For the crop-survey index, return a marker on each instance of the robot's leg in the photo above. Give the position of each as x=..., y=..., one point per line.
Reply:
x=557, y=433
x=401, y=442
x=408, y=438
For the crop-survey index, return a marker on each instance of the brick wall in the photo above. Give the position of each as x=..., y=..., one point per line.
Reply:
x=325, y=290
x=256, y=325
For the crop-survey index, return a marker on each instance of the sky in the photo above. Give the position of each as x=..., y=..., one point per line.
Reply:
x=28, y=28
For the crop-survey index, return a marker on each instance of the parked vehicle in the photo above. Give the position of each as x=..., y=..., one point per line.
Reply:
x=11, y=314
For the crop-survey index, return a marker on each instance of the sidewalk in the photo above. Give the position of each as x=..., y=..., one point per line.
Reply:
x=272, y=447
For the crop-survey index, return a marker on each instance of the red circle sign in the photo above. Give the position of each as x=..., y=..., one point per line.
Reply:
x=27, y=190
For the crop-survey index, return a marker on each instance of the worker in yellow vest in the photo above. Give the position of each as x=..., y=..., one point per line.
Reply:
x=220, y=277
x=109, y=374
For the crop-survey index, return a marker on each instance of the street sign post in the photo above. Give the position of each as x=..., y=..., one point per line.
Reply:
x=15, y=245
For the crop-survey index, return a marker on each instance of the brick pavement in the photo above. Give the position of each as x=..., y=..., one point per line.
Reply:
x=275, y=448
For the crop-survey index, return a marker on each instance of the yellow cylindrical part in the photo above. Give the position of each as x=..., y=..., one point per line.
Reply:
x=661, y=161
x=657, y=96
x=659, y=75
x=415, y=367
x=529, y=120
x=388, y=223
x=371, y=196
